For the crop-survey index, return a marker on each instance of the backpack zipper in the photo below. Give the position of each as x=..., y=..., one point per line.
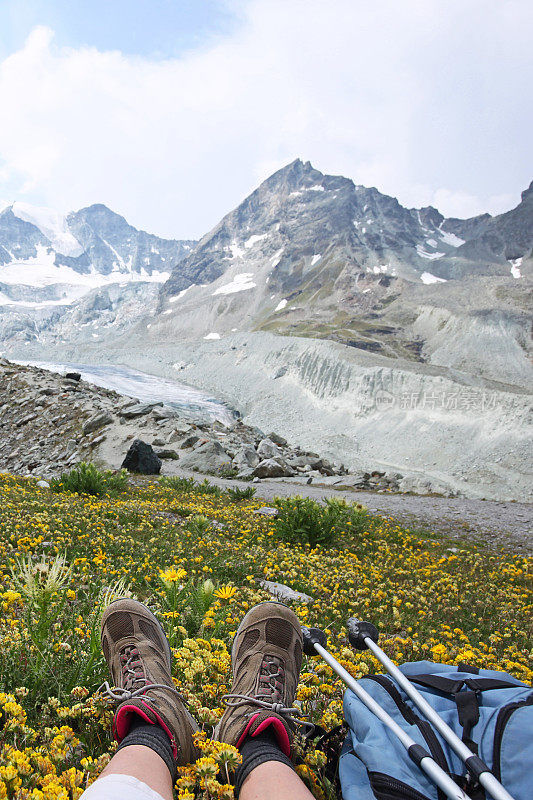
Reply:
x=387, y=788
x=504, y=715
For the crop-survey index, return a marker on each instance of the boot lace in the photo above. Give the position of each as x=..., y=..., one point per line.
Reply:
x=134, y=678
x=269, y=694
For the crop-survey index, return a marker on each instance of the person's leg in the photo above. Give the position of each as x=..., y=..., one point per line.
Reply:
x=151, y=723
x=273, y=779
x=259, y=720
x=127, y=774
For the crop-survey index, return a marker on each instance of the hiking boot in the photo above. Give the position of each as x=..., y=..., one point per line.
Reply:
x=266, y=659
x=139, y=659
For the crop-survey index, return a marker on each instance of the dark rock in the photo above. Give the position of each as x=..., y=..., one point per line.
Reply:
x=141, y=458
x=73, y=376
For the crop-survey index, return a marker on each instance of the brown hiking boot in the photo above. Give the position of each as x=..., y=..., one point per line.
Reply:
x=266, y=658
x=139, y=659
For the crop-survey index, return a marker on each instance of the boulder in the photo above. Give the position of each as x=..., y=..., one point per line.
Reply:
x=73, y=376
x=277, y=439
x=273, y=468
x=141, y=458
x=267, y=511
x=189, y=441
x=307, y=461
x=285, y=593
x=43, y=485
x=267, y=449
x=97, y=421
x=180, y=429
x=167, y=452
x=245, y=457
x=138, y=410
x=164, y=412
x=209, y=457
x=246, y=474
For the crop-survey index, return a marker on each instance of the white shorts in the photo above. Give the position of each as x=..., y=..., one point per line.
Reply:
x=119, y=787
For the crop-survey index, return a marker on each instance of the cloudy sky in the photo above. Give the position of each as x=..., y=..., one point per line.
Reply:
x=172, y=111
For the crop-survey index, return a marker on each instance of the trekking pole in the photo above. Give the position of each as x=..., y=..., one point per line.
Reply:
x=314, y=640
x=363, y=635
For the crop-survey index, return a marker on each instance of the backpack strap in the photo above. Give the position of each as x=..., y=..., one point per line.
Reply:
x=467, y=700
x=462, y=667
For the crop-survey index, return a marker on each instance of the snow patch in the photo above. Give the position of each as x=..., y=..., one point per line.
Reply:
x=52, y=225
x=316, y=188
x=427, y=277
x=212, y=336
x=257, y=237
x=176, y=297
x=424, y=253
x=315, y=258
x=240, y=283
x=450, y=238
x=432, y=243
x=280, y=305
x=276, y=258
x=236, y=251
x=515, y=264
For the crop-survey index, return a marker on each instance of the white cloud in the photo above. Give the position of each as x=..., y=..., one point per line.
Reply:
x=407, y=96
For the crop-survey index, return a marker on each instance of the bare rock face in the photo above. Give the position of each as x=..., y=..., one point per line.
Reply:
x=142, y=459
x=98, y=420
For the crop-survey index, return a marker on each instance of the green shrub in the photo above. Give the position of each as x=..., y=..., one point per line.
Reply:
x=208, y=488
x=305, y=521
x=199, y=524
x=190, y=485
x=177, y=483
x=228, y=472
x=237, y=493
x=86, y=478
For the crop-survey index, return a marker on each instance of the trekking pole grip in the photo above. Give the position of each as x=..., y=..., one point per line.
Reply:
x=359, y=631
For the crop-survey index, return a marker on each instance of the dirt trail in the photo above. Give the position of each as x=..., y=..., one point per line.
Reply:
x=485, y=522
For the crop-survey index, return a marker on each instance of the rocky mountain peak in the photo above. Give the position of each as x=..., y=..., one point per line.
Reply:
x=527, y=194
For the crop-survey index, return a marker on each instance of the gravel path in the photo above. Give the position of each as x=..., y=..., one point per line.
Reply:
x=485, y=522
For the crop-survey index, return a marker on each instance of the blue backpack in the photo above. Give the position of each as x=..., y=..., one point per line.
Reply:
x=492, y=712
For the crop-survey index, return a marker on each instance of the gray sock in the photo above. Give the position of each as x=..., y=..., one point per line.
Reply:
x=256, y=750
x=154, y=737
